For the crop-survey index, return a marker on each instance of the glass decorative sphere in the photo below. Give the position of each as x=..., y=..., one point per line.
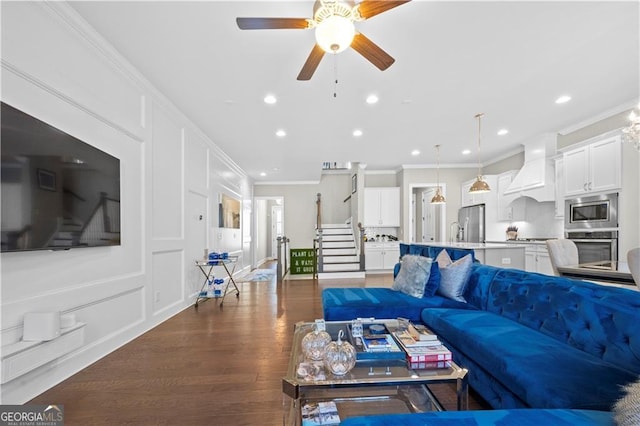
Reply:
x=314, y=344
x=340, y=356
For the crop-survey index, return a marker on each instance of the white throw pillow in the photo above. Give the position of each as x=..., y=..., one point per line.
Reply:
x=453, y=276
x=413, y=275
x=626, y=410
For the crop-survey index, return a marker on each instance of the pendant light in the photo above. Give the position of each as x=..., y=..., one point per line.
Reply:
x=479, y=186
x=438, y=198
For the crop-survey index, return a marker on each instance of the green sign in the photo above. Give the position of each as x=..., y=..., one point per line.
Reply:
x=303, y=261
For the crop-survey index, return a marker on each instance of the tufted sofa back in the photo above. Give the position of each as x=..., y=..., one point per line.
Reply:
x=432, y=251
x=600, y=320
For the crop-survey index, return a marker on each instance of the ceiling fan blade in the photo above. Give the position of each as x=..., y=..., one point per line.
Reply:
x=372, y=52
x=311, y=64
x=369, y=8
x=272, y=23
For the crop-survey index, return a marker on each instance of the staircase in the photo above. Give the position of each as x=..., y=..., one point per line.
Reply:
x=339, y=254
x=67, y=235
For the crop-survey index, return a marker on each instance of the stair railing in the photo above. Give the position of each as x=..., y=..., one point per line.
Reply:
x=282, y=266
x=318, y=211
x=104, y=223
x=361, y=244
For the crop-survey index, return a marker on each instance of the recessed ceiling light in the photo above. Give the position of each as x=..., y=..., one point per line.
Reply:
x=415, y=152
x=466, y=152
x=372, y=99
x=563, y=99
x=270, y=99
x=281, y=133
x=502, y=132
x=263, y=174
x=357, y=132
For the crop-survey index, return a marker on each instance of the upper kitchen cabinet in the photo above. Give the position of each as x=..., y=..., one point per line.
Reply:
x=509, y=207
x=559, y=204
x=593, y=168
x=382, y=207
x=469, y=199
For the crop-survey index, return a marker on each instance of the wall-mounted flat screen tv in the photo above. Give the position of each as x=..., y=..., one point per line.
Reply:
x=58, y=192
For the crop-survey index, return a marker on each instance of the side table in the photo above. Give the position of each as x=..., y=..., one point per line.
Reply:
x=206, y=267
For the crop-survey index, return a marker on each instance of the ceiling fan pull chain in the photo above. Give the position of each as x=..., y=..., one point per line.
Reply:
x=335, y=75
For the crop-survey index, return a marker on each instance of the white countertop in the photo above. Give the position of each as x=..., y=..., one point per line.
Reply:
x=474, y=246
x=540, y=242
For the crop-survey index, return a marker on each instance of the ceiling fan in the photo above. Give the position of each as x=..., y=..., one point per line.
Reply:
x=333, y=21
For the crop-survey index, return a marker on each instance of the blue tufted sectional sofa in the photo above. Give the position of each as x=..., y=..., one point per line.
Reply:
x=529, y=340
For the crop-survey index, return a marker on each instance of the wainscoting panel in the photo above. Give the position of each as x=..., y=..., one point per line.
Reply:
x=167, y=176
x=53, y=61
x=167, y=279
x=196, y=159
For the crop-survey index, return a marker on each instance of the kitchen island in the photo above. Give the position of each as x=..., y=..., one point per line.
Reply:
x=502, y=255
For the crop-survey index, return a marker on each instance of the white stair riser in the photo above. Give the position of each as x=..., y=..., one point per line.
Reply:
x=326, y=238
x=341, y=267
x=336, y=251
x=337, y=244
x=337, y=231
x=338, y=259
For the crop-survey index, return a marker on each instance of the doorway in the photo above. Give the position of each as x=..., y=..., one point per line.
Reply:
x=427, y=220
x=268, y=226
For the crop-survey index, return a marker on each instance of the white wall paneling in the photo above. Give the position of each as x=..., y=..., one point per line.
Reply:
x=53, y=62
x=167, y=279
x=167, y=178
x=58, y=69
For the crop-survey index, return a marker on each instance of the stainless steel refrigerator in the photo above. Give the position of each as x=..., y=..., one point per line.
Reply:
x=471, y=221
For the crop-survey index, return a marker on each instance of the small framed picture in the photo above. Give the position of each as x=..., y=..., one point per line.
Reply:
x=46, y=180
x=354, y=183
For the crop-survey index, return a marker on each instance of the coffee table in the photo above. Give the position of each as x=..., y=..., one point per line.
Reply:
x=373, y=386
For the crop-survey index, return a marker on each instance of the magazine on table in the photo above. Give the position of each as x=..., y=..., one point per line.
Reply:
x=408, y=341
x=320, y=413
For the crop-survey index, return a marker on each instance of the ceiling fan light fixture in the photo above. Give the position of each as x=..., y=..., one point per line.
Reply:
x=335, y=34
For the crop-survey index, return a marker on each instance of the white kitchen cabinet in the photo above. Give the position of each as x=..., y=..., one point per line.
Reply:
x=382, y=207
x=508, y=210
x=381, y=256
x=593, y=168
x=537, y=259
x=559, y=208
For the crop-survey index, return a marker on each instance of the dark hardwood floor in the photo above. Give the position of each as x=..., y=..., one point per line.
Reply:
x=206, y=366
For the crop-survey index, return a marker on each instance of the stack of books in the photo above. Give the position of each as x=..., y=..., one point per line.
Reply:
x=378, y=345
x=423, y=348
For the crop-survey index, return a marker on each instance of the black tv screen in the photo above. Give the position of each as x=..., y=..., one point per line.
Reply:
x=58, y=192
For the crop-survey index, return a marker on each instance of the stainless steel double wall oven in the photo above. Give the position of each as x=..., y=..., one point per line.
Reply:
x=592, y=223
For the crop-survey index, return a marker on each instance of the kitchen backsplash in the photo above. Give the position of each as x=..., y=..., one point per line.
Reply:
x=540, y=222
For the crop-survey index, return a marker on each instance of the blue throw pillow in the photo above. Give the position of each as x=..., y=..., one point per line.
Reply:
x=434, y=280
x=453, y=276
x=413, y=276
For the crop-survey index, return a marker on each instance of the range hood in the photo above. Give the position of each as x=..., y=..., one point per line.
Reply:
x=536, y=179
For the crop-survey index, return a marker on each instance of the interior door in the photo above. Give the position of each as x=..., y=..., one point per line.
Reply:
x=276, y=228
x=428, y=217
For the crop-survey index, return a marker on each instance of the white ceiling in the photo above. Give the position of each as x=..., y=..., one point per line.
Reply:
x=510, y=60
